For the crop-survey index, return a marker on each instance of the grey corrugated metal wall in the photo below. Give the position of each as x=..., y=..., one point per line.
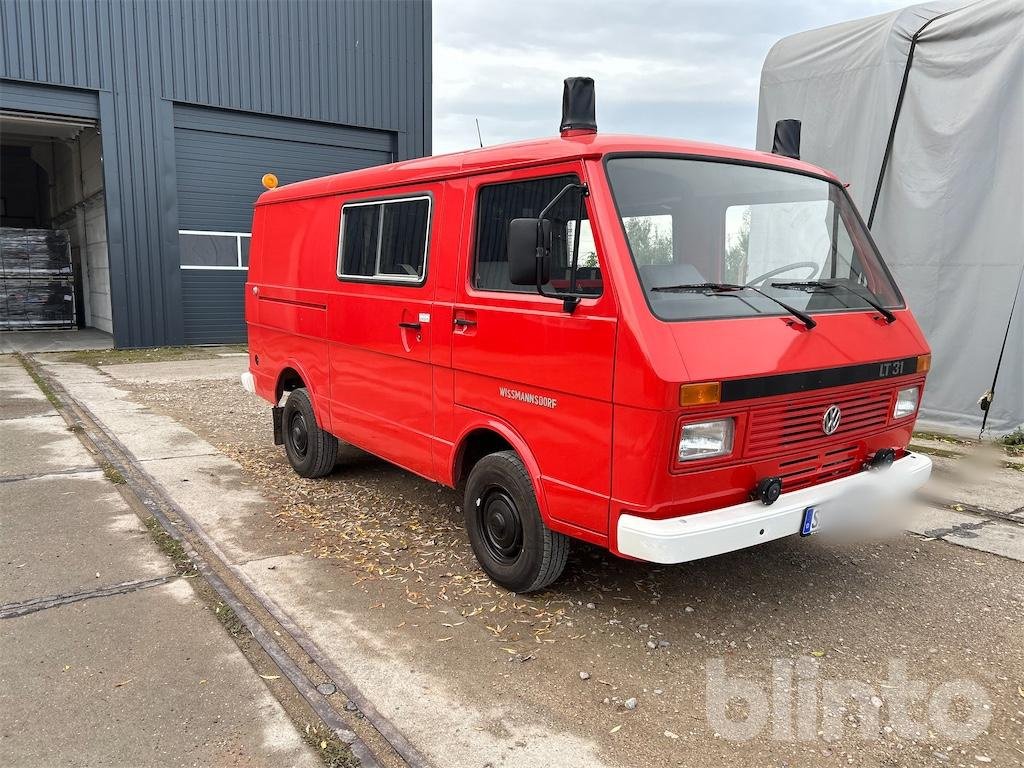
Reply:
x=220, y=156
x=213, y=307
x=357, y=63
x=62, y=101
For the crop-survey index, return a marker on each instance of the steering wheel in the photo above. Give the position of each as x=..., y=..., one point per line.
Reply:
x=760, y=279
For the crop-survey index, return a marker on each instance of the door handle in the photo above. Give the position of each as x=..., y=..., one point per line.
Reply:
x=464, y=322
x=411, y=326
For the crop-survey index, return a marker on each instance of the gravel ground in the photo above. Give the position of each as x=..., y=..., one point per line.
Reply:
x=626, y=653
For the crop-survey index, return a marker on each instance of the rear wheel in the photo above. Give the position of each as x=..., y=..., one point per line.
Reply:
x=312, y=452
x=509, y=538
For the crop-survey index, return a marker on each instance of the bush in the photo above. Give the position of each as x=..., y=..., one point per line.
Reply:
x=1014, y=438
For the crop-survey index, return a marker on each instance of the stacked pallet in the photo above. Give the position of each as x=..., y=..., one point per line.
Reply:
x=37, y=287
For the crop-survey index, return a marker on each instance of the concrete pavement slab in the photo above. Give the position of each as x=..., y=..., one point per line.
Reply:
x=39, y=444
x=19, y=396
x=146, y=434
x=55, y=341
x=152, y=436
x=69, y=371
x=70, y=533
x=133, y=678
x=983, y=482
x=214, y=491
x=995, y=536
x=221, y=367
x=143, y=679
x=454, y=725
x=207, y=485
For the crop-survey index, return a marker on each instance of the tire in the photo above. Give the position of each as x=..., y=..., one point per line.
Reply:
x=509, y=538
x=312, y=452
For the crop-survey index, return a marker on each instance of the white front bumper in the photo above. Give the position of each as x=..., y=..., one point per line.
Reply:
x=249, y=382
x=691, y=537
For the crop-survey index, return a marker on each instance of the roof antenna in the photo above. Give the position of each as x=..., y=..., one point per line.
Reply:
x=478, y=136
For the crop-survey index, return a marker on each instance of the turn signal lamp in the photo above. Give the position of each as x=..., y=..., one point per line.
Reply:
x=269, y=180
x=924, y=363
x=706, y=393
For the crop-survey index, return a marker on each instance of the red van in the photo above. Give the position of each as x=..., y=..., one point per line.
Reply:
x=669, y=349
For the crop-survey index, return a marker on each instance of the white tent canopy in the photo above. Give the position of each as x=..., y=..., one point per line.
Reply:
x=946, y=81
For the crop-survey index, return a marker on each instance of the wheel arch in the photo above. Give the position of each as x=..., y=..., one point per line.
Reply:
x=291, y=375
x=489, y=436
x=288, y=378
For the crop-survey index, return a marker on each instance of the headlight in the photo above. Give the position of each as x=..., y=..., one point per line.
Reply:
x=906, y=402
x=706, y=439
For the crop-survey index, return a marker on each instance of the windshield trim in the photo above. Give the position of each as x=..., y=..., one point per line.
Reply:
x=902, y=304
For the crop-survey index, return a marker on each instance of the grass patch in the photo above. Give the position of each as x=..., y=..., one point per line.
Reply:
x=171, y=547
x=941, y=438
x=226, y=616
x=935, y=451
x=98, y=357
x=333, y=751
x=44, y=387
x=113, y=474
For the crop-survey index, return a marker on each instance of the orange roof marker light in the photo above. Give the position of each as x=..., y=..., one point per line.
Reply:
x=269, y=180
x=700, y=394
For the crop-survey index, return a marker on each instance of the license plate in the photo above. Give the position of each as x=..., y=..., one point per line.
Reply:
x=811, y=521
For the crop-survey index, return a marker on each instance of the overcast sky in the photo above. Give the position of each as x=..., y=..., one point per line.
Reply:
x=688, y=69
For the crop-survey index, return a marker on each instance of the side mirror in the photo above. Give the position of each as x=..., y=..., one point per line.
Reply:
x=522, y=252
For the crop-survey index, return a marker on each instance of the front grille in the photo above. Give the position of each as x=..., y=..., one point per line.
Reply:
x=819, y=467
x=794, y=426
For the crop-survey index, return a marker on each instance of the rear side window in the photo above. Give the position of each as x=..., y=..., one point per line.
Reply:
x=385, y=240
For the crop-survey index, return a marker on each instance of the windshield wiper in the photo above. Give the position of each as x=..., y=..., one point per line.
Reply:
x=699, y=288
x=871, y=299
x=725, y=289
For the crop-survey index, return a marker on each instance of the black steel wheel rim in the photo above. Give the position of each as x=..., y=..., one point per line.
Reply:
x=298, y=434
x=501, y=526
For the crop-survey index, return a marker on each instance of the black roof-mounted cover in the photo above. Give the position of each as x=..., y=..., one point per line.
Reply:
x=787, y=139
x=578, y=105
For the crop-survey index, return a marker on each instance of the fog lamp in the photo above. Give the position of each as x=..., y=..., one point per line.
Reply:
x=882, y=459
x=768, y=490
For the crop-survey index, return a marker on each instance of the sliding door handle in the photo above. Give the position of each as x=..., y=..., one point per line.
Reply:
x=464, y=322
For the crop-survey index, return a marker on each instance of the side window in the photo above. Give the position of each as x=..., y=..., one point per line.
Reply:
x=498, y=204
x=384, y=240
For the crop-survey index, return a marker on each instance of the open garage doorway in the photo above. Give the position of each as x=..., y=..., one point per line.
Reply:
x=54, y=270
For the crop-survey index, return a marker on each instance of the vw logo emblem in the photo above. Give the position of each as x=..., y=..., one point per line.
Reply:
x=830, y=421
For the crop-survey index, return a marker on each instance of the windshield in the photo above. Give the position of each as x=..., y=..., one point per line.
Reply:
x=795, y=238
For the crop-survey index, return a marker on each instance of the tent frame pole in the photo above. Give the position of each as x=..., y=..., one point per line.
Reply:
x=991, y=394
x=896, y=113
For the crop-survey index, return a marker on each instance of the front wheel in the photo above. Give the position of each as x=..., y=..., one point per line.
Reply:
x=509, y=538
x=312, y=452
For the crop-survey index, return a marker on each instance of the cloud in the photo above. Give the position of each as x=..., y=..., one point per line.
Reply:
x=686, y=69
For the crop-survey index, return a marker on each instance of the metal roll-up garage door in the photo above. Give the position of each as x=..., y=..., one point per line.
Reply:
x=220, y=157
